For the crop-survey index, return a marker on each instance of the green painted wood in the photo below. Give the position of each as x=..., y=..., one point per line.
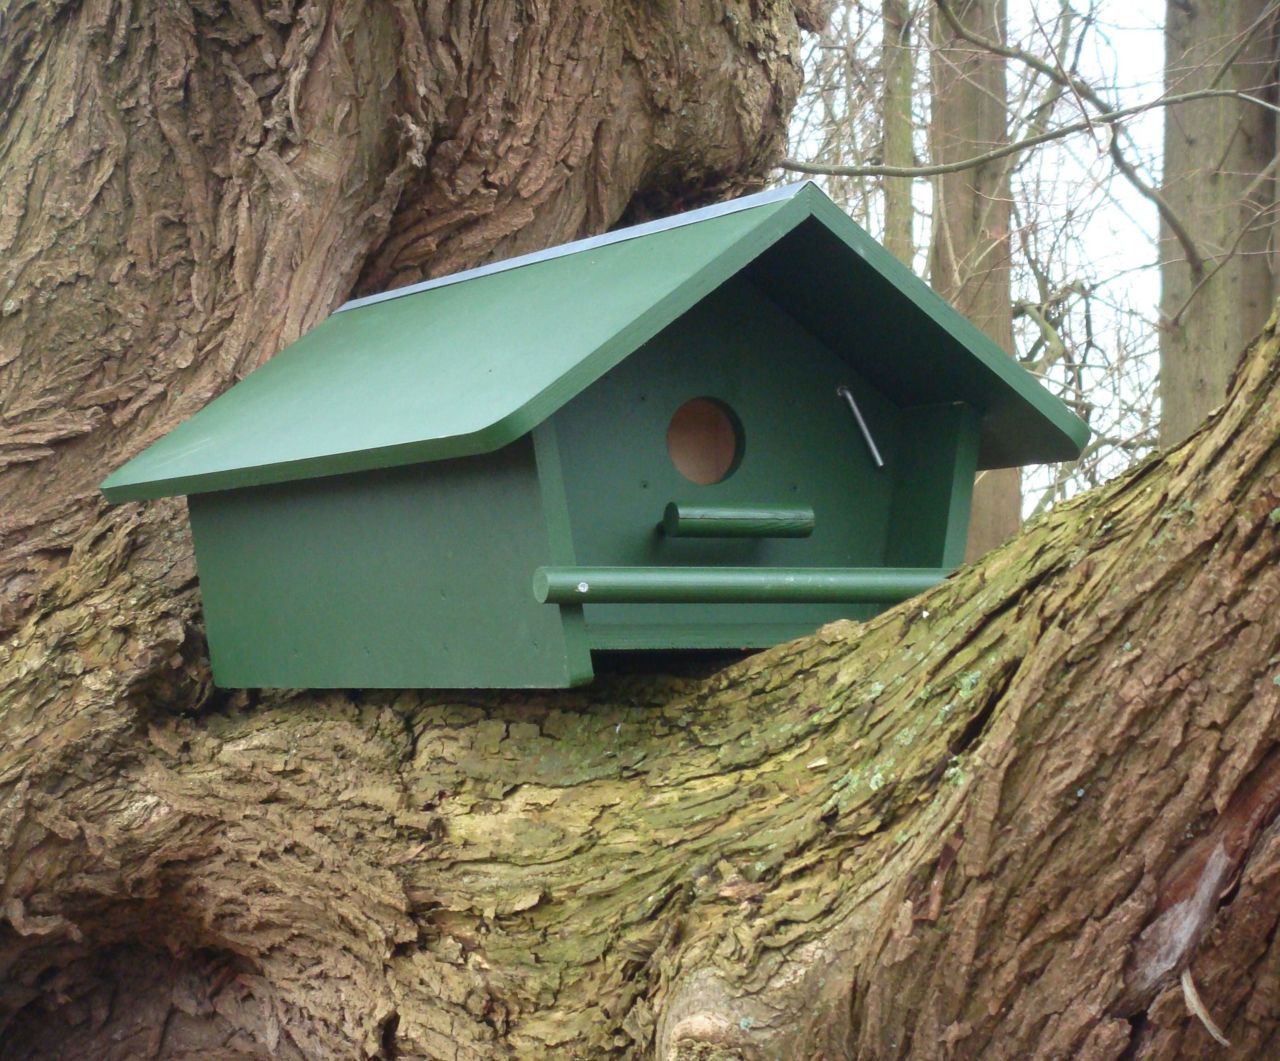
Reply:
x=801, y=448
x=402, y=578
x=469, y=367
x=933, y=486
x=555, y=507
x=911, y=343
x=735, y=585
x=453, y=371
x=734, y=521
x=666, y=634
x=370, y=506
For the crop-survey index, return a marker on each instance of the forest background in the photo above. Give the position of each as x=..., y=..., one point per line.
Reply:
x=1096, y=223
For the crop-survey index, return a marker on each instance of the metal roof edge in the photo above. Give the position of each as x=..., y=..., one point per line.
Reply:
x=733, y=206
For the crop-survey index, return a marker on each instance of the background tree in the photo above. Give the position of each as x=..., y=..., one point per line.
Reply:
x=897, y=106
x=1077, y=189
x=1215, y=201
x=1217, y=269
x=969, y=254
x=883, y=840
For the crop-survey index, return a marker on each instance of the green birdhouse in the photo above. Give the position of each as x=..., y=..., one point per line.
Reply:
x=719, y=430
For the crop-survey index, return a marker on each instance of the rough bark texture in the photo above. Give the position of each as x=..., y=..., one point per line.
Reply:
x=1000, y=820
x=1219, y=181
x=186, y=187
x=970, y=254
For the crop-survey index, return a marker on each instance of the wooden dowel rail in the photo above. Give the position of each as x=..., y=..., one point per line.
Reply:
x=732, y=585
x=736, y=521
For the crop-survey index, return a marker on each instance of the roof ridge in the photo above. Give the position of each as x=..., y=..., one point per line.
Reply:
x=621, y=235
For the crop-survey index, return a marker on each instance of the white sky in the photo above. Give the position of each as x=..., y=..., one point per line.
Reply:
x=1111, y=243
x=1127, y=51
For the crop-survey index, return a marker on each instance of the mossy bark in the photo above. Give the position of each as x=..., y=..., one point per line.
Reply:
x=1000, y=820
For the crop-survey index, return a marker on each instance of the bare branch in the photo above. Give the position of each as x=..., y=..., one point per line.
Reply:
x=1243, y=43
x=1108, y=117
x=1084, y=91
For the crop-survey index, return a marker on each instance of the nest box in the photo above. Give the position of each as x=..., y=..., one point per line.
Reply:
x=718, y=430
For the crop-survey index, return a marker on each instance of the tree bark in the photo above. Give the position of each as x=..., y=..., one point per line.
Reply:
x=969, y=259
x=187, y=188
x=1000, y=820
x=897, y=61
x=1219, y=181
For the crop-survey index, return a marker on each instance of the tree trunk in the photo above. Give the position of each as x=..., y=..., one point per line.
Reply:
x=969, y=263
x=897, y=61
x=1000, y=820
x=188, y=187
x=1218, y=281
x=1003, y=819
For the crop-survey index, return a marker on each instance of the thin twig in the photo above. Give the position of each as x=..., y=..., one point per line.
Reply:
x=1004, y=150
x=1194, y=1003
x=1085, y=91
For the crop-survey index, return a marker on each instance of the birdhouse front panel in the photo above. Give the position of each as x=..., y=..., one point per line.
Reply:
x=738, y=409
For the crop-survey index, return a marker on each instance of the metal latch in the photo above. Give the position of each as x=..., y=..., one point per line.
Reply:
x=844, y=392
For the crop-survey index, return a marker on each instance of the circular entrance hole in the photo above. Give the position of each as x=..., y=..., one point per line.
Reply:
x=704, y=440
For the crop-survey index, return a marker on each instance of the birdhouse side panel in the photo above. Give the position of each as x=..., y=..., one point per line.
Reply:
x=410, y=577
x=938, y=456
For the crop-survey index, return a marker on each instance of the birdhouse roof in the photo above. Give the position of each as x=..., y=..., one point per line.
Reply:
x=467, y=363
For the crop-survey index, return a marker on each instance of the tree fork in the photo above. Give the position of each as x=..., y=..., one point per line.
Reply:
x=898, y=838
x=1004, y=818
